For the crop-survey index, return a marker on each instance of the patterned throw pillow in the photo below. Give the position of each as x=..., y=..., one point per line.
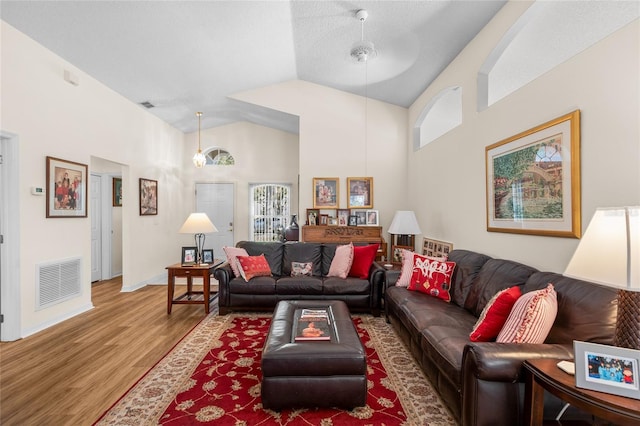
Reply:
x=232, y=253
x=363, y=257
x=432, y=277
x=494, y=315
x=407, y=267
x=301, y=269
x=531, y=317
x=341, y=262
x=253, y=266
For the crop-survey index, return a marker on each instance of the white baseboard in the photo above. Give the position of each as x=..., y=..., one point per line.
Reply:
x=160, y=279
x=57, y=320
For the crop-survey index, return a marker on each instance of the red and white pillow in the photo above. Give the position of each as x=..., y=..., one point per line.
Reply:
x=407, y=267
x=342, y=261
x=232, y=253
x=531, y=317
x=301, y=269
x=432, y=277
x=253, y=266
x=494, y=315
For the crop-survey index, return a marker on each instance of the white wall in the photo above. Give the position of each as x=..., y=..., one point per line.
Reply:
x=54, y=118
x=334, y=141
x=449, y=173
x=262, y=155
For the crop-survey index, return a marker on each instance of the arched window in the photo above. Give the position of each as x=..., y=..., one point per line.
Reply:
x=219, y=157
x=546, y=35
x=441, y=114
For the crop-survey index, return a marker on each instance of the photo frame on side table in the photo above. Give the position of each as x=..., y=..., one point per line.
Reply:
x=148, y=197
x=396, y=254
x=207, y=256
x=189, y=256
x=66, y=188
x=608, y=369
x=326, y=193
x=533, y=180
x=360, y=192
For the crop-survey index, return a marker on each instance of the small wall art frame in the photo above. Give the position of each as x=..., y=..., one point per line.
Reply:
x=609, y=369
x=533, y=180
x=436, y=248
x=326, y=193
x=66, y=188
x=360, y=193
x=148, y=197
x=116, y=191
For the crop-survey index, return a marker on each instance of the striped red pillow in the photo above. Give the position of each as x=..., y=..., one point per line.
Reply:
x=531, y=317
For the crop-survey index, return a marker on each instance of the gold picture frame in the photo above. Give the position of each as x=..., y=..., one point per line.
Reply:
x=533, y=180
x=326, y=193
x=360, y=192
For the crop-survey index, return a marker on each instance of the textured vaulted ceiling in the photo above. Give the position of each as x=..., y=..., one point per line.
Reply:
x=188, y=56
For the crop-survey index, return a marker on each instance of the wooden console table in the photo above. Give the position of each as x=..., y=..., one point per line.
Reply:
x=345, y=235
x=544, y=374
x=189, y=272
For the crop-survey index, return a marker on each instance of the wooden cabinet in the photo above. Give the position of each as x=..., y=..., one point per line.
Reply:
x=345, y=235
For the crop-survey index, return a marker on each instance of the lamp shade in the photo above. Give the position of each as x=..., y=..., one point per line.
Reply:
x=609, y=251
x=198, y=223
x=404, y=223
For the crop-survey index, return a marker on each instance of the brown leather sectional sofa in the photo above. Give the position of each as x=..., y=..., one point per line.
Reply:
x=482, y=383
x=263, y=293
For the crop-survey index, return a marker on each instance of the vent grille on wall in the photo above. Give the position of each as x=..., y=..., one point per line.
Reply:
x=57, y=281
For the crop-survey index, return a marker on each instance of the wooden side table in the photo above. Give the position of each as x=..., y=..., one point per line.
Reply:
x=544, y=374
x=189, y=272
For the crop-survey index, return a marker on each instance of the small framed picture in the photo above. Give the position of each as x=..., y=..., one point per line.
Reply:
x=313, y=217
x=189, y=256
x=609, y=369
x=333, y=221
x=66, y=188
x=148, y=197
x=207, y=256
x=326, y=192
x=353, y=220
x=436, y=248
x=343, y=217
x=117, y=192
x=324, y=220
x=372, y=217
x=362, y=217
x=396, y=254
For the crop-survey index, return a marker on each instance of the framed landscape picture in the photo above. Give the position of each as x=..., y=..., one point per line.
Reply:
x=326, y=193
x=360, y=192
x=117, y=192
x=66, y=188
x=148, y=197
x=533, y=180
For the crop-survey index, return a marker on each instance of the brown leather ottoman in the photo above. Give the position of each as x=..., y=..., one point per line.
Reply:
x=313, y=374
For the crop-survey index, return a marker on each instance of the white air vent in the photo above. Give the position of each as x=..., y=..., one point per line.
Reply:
x=57, y=281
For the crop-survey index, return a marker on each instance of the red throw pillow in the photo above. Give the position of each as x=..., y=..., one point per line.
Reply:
x=494, y=315
x=432, y=277
x=363, y=257
x=253, y=266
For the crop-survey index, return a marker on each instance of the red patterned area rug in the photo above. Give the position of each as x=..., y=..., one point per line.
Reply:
x=213, y=377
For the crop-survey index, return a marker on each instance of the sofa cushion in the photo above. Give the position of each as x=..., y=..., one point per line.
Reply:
x=299, y=286
x=363, y=257
x=468, y=265
x=339, y=286
x=341, y=262
x=253, y=266
x=531, y=317
x=432, y=277
x=586, y=311
x=272, y=251
x=494, y=315
x=232, y=253
x=495, y=275
x=259, y=286
x=302, y=252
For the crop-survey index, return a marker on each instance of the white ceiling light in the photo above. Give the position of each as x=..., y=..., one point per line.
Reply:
x=363, y=50
x=199, y=160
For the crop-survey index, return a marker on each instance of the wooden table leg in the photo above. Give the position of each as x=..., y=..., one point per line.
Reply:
x=170, y=287
x=533, y=402
x=206, y=284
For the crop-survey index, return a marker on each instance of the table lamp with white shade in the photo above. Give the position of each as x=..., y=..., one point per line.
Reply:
x=609, y=254
x=198, y=224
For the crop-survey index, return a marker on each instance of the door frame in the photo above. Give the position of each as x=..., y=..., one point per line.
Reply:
x=10, y=299
x=105, y=223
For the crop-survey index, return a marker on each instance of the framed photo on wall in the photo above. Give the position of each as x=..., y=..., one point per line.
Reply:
x=533, y=180
x=360, y=192
x=326, y=193
x=66, y=188
x=117, y=192
x=148, y=197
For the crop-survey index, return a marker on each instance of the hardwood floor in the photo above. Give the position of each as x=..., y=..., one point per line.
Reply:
x=71, y=373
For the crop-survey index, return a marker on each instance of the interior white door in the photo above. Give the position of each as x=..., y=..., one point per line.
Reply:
x=95, y=209
x=217, y=200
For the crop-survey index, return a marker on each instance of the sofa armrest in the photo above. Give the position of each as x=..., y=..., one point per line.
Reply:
x=223, y=274
x=502, y=362
x=376, y=281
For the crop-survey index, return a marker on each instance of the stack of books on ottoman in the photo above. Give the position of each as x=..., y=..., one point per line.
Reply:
x=313, y=325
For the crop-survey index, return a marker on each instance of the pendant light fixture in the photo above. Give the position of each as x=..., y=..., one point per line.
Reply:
x=199, y=160
x=363, y=50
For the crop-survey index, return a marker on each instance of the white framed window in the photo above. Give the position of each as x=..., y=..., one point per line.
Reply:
x=270, y=210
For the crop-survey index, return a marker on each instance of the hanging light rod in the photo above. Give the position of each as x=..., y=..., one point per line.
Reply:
x=199, y=160
x=363, y=50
